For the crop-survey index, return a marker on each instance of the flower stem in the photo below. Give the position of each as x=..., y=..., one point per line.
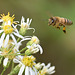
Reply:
x=21, y=54
x=23, y=49
x=3, y=71
x=18, y=39
x=11, y=49
x=12, y=66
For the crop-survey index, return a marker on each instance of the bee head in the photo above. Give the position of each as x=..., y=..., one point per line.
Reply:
x=51, y=21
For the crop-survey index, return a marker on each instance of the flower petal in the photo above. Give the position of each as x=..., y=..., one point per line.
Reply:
x=16, y=61
x=1, y=31
x=48, y=65
x=0, y=52
x=31, y=71
x=1, y=20
x=27, y=20
x=22, y=20
x=41, y=50
x=27, y=71
x=15, y=29
x=52, y=68
x=33, y=29
x=2, y=38
x=13, y=38
x=18, y=35
x=30, y=21
x=5, y=61
x=6, y=40
x=52, y=72
x=21, y=70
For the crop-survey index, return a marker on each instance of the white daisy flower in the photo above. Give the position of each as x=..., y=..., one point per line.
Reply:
x=27, y=63
x=26, y=25
x=47, y=70
x=8, y=31
x=8, y=52
x=34, y=48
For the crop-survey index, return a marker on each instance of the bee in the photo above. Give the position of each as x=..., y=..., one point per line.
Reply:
x=59, y=21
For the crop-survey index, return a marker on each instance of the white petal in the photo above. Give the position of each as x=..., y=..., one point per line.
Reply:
x=52, y=72
x=21, y=70
x=31, y=71
x=17, y=61
x=27, y=71
x=18, y=35
x=30, y=21
x=33, y=29
x=41, y=50
x=19, y=57
x=15, y=29
x=0, y=52
x=52, y=68
x=27, y=20
x=22, y=20
x=25, y=39
x=35, y=70
x=13, y=38
x=43, y=64
x=6, y=40
x=5, y=61
x=2, y=38
x=48, y=65
x=1, y=20
x=1, y=31
x=29, y=47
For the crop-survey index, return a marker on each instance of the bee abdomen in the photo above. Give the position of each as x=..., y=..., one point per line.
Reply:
x=68, y=22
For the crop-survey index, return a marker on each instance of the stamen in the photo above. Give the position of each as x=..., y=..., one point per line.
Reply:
x=8, y=29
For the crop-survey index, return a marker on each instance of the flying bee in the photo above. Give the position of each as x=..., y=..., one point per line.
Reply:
x=59, y=21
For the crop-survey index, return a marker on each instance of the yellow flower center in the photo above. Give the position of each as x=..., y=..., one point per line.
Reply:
x=7, y=29
x=7, y=18
x=28, y=61
x=6, y=53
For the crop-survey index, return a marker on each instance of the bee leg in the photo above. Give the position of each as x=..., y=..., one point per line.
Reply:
x=64, y=29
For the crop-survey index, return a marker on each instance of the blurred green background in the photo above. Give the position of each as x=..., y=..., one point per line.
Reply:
x=59, y=48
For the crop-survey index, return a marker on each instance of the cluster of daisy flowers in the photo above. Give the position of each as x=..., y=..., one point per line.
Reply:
x=22, y=60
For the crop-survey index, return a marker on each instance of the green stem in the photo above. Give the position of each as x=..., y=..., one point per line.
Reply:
x=12, y=66
x=3, y=71
x=21, y=54
x=18, y=39
x=11, y=49
x=22, y=49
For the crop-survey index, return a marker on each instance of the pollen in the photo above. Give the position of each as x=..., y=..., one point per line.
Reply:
x=28, y=61
x=42, y=72
x=8, y=29
x=7, y=18
x=5, y=53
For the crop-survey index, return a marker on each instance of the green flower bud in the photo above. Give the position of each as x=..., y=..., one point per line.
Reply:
x=29, y=43
x=22, y=31
x=27, y=52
